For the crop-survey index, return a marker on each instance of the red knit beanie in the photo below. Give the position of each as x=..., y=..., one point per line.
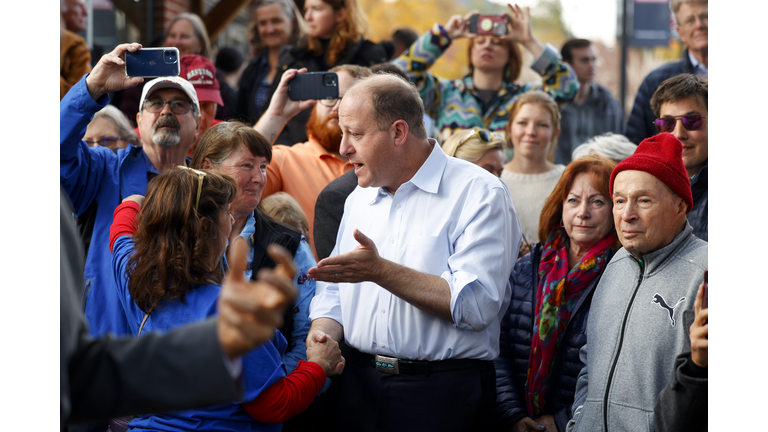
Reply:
x=661, y=156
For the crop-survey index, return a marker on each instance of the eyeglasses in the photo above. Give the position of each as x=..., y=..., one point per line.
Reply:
x=104, y=142
x=482, y=134
x=330, y=102
x=691, y=20
x=691, y=122
x=200, y=176
x=178, y=106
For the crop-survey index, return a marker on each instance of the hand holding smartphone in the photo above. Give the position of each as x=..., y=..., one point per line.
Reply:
x=314, y=85
x=706, y=288
x=152, y=62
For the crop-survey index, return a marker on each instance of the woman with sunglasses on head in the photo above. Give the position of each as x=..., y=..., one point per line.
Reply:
x=335, y=36
x=479, y=146
x=485, y=96
x=545, y=325
x=530, y=176
x=239, y=151
x=167, y=256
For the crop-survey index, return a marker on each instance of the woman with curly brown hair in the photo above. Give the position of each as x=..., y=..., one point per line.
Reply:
x=167, y=258
x=335, y=36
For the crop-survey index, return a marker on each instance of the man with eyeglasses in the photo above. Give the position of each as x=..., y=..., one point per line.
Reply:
x=692, y=26
x=304, y=169
x=680, y=105
x=168, y=120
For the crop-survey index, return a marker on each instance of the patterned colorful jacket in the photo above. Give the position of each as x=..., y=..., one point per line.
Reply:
x=453, y=103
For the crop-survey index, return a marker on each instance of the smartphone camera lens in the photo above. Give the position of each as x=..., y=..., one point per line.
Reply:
x=170, y=56
x=329, y=80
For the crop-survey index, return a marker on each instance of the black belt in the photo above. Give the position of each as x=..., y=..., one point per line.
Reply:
x=395, y=366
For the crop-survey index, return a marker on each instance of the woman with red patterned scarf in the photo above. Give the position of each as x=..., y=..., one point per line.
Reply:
x=552, y=286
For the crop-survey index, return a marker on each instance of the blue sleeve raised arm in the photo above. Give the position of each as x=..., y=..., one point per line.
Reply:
x=81, y=167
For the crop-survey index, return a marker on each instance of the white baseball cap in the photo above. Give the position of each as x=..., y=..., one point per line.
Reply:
x=170, y=82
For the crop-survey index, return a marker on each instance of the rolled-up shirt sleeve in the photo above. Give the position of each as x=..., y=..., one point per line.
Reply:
x=484, y=254
x=326, y=303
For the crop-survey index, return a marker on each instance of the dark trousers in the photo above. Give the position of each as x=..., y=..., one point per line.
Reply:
x=457, y=400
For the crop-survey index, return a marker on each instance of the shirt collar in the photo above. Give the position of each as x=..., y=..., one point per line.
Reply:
x=427, y=178
x=249, y=228
x=697, y=65
x=317, y=149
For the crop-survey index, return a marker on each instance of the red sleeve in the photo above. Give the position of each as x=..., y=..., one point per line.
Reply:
x=288, y=396
x=123, y=221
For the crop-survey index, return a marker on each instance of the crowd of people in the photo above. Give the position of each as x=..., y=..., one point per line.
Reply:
x=415, y=254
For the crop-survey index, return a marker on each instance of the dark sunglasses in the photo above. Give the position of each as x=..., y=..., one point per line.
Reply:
x=690, y=122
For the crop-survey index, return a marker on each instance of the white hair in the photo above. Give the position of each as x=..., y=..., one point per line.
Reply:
x=123, y=126
x=613, y=146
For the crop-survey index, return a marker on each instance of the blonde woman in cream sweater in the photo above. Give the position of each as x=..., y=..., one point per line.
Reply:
x=530, y=176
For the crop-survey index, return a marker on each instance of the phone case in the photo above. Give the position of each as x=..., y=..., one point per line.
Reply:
x=498, y=24
x=314, y=85
x=151, y=63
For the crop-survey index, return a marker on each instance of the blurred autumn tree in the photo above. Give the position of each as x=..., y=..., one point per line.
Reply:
x=385, y=16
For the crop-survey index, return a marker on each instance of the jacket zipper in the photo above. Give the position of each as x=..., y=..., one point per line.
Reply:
x=621, y=342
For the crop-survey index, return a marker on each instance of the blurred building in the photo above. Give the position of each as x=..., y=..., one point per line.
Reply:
x=119, y=21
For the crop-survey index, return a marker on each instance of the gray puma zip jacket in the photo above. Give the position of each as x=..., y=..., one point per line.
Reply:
x=634, y=333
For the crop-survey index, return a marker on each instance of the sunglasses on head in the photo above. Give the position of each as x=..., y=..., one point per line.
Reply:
x=482, y=134
x=690, y=122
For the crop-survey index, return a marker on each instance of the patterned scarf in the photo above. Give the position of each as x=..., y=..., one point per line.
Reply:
x=558, y=293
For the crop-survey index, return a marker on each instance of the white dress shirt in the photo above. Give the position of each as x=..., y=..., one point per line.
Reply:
x=453, y=219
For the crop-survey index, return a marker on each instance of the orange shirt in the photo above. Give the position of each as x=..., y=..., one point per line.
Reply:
x=303, y=171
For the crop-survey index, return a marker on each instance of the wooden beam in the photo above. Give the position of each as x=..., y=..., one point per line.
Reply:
x=197, y=7
x=221, y=15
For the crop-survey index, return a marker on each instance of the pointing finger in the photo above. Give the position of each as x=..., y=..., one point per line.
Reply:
x=237, y=257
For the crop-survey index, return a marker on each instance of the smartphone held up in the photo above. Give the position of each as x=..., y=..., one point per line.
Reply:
x=152, y=62
x=314, y=85
x=493, y=25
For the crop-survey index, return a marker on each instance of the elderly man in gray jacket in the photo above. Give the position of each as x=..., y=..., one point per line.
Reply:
x=636, y=326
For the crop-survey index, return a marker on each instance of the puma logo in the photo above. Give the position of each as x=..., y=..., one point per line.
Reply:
x=659, y=300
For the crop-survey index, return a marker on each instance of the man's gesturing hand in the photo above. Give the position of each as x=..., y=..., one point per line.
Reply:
x=109, y=73
x=250, y=311
x=363, y=264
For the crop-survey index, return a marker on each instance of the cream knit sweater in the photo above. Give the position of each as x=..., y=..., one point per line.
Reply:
x=528, y=192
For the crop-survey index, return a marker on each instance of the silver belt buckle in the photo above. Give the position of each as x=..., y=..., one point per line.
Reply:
x=387, y=364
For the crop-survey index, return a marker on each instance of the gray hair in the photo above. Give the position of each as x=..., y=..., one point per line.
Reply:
x=299, y=26
x=674, y=6
x=124, y=129
x=613, y=146
x=200, y=32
